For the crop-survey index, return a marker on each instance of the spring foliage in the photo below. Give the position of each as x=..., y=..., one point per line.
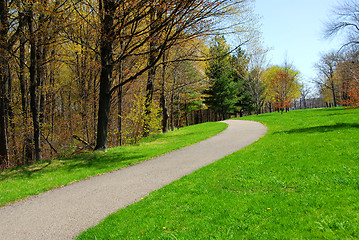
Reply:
x=282, y=84
x=137, y=117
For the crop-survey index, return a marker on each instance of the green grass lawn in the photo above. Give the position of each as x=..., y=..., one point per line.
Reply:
x=19, y=183
x=300, y=181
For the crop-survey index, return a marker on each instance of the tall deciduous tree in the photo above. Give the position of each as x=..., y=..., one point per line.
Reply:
x=326, y=74
x=282, y=86
x=254, y=82
x=34, y=81
x=4, y=78
x=256, y=89
x=107, y=11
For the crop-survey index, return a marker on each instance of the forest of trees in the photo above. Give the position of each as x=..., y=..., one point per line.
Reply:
x=87, y=75
x=93, y=74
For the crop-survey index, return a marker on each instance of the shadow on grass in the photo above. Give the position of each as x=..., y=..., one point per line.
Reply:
x=25, y=171
x=322, y=129
x=345, y=112
x=102, y=160
x=94, y=160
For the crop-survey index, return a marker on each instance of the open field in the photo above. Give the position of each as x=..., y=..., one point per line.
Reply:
x=19, y=183
x=300, y=181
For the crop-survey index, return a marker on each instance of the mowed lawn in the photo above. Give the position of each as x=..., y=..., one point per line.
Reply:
x=19, y=183
x=300, y=181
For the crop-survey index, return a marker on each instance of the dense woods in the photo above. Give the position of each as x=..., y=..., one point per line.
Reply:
x=87, y=75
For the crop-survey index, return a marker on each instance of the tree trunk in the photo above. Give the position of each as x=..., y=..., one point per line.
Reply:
x=40, y=78
x=4, y=57
x=52, y=100
x=81, y=61
x=106, y=53
x=34, y=103
x=119, y=106
x=41, y=61
x=163, y=97
x=152, y=71
x=333, y=92
x=94, y=103
x=4, y=156
x=172, y=105
x=8, y=98
x=23, y=89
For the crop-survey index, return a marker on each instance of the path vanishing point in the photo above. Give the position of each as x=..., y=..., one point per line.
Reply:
x=65, y=212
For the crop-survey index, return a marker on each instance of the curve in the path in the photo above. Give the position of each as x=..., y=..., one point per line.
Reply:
x=65, y=212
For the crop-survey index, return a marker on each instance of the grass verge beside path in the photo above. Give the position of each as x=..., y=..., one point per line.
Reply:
x=23, y=182
x=300, y=181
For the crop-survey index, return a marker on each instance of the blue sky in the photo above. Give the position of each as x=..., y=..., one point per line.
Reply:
x=293, y=29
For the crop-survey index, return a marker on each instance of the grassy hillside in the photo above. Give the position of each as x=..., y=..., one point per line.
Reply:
x=19, y=183
x=300, y=181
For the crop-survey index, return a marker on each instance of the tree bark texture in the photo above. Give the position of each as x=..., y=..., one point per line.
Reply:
x=27, y=149
x=152, y=71
x=106, y=52
x=163, y=97
x=34, y=99
x=119, y=104
x=4, y=28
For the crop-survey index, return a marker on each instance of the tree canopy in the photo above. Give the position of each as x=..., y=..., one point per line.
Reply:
x=282, y=86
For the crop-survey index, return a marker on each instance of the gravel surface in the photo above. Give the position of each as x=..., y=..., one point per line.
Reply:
x=65, y=212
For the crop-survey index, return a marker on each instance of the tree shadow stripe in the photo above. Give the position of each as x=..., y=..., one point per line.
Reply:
x=321, y=129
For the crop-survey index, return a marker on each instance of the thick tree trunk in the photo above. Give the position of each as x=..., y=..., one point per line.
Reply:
x=4, y=27
x=34, y=101
x=104, y=108
x=106, y=48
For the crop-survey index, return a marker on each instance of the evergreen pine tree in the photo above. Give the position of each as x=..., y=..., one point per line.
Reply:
x=222, y=96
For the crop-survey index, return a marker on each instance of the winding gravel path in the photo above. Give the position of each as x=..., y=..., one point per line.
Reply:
x=65, y=212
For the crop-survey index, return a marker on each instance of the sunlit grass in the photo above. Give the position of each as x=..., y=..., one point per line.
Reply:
x=19, y=183
x=300, y=181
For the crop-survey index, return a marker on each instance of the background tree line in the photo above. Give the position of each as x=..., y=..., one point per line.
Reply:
x=242, y=82
x=337, y=78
